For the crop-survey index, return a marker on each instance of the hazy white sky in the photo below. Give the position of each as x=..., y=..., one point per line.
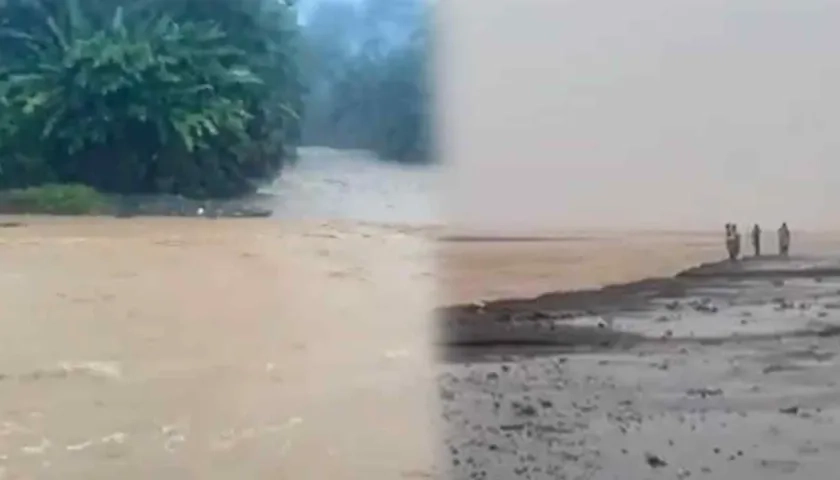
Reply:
x=652, y=113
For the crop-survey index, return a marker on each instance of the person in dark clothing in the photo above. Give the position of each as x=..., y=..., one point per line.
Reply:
x=756, y=239
x=726, y=240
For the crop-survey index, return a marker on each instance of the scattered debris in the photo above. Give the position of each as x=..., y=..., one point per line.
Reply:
x=775, y=368
x=704, y=305
x=704, y=392
x=541, y=315
x=791, y=410
x=782, y=304
x=655, y=461
x=784, y=466
x=605, y=322
x=524, y=410
x=563, y=428
x=673, y=305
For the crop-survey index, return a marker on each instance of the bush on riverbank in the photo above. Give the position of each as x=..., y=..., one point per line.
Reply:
x=54, y=200
x=187, y=97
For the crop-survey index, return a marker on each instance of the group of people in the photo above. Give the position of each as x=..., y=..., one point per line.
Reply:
x=733, y=240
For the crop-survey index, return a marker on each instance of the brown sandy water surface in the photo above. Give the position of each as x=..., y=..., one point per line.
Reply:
x=491, y=266
x=175, y=348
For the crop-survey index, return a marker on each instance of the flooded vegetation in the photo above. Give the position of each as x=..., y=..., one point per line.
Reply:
x=186, y=98
x=299, y=344
x=203, y=100
x=151, y=341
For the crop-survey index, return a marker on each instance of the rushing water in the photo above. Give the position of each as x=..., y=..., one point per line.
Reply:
x=352, y=185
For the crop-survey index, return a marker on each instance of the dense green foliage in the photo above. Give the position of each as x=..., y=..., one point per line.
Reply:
x=53, y=199
x=366, y=64
x=193, y=97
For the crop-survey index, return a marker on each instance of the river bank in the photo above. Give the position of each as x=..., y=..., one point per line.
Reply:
x=173, y=346
x=721, y=372
x=323, y=183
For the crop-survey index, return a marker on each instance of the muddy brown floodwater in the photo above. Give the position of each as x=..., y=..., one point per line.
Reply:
x=300, y=346
x=179, y=348
x=154, y=348
x=725, y=371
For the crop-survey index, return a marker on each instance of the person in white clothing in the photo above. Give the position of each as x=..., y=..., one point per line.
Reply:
x=784, y=240
x=732, y=241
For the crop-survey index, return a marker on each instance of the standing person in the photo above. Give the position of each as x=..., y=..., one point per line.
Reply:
x=756, y=239
x=727, y=240
x=737, y=240
x=731, y=241
x=784, y=239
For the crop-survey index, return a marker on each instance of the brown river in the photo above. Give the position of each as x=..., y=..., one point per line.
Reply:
x=292, y=347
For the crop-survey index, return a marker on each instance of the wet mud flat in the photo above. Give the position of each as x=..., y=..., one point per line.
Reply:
x=724, y=371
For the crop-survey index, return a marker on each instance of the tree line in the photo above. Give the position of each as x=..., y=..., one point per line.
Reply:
x=201, y=98
x=367, y=68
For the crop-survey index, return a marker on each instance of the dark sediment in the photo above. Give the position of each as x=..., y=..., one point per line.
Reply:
x=724, y=371
x=549, y=319
x=126, y=206
x=767, y=267
x=540, y=321
x=176, y=206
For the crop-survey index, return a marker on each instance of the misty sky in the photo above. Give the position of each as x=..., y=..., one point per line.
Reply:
x=306, y=7
x=658, y=113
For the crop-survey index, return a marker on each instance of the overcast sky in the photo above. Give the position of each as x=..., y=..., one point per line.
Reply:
x=651, y=113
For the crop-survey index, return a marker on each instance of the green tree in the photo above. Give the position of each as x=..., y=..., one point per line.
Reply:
x=368, y=64
x=387, y=92
x=190, y=97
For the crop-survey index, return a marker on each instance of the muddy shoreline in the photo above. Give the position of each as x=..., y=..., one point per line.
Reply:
x=128, y=206
x=175, y=206
x=548, y=320
x=722, y=371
